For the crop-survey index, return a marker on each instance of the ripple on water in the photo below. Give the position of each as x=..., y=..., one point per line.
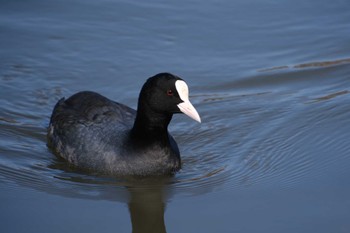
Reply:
x=274, y=137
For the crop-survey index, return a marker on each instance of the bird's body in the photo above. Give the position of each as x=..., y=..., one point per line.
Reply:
x=95, y=133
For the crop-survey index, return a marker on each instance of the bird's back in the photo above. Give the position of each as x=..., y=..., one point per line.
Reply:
x=90, y=130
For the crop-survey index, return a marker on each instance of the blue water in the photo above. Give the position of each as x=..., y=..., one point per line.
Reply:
x=270, y=79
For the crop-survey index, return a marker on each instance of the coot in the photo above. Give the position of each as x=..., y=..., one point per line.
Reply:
x=95, y=133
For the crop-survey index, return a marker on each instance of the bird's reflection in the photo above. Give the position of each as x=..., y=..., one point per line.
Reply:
x=147, y=206
x=146, y=197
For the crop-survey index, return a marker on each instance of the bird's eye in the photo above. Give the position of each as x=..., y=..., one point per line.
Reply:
x=169, y=92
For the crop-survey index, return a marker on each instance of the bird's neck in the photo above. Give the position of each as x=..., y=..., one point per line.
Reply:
x=151, y=126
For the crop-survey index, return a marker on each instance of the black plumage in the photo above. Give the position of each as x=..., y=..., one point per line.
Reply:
x=98, y=134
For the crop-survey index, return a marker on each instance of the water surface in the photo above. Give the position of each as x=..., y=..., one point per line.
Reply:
x=271, y=81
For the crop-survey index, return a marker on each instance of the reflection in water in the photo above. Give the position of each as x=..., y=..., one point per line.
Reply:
x=145, y=196
x=147, y=208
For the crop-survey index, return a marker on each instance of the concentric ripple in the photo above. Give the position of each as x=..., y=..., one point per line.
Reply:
x=269, y=135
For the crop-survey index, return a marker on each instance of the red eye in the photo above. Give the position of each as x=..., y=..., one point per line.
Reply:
x=169, y=92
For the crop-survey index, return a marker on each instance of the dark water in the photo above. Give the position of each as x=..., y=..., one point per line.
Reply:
x=270, y=79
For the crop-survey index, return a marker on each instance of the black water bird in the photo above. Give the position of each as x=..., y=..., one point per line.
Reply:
x=95, y=133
